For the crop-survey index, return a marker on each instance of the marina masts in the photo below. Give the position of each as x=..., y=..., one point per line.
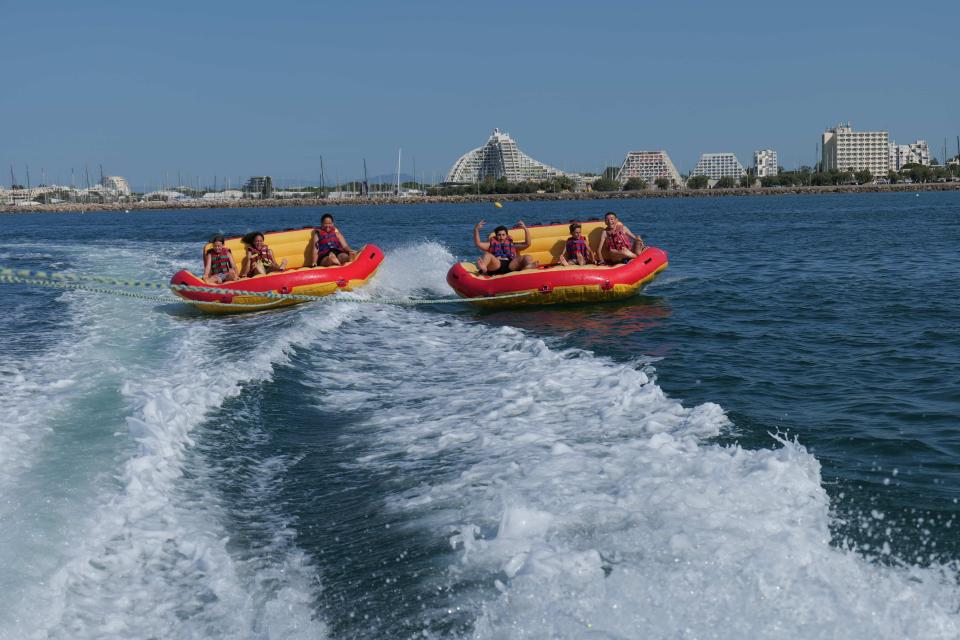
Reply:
x=399, y=152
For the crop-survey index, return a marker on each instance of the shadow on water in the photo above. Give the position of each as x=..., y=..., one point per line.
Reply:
x=586, y=326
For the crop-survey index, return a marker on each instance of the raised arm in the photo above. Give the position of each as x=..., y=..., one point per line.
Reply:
x=526, y=236
x=483, y=246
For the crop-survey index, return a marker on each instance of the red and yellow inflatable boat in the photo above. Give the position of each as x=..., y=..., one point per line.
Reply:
x=295, y=246
x=553, y=284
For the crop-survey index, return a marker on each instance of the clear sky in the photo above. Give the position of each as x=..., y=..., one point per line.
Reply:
x=234, y=89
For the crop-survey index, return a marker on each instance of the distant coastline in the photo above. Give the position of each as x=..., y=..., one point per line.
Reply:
x=482, y=198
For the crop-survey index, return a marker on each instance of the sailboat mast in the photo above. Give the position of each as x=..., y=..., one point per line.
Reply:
x=323, y=184
x=399, y=153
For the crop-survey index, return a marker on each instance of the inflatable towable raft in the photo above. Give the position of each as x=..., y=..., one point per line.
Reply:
x=294, y=245
x=555, y=284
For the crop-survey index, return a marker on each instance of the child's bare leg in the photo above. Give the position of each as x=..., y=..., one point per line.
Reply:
x=487, y=263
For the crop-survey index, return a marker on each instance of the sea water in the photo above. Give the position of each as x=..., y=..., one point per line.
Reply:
x=763, y=444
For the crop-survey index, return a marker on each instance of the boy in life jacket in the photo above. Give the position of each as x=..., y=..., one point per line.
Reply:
x=577, y=251
x=330, y=248
x=621, y=244
x=259, y=258
x=218, y=264
x=501, y=252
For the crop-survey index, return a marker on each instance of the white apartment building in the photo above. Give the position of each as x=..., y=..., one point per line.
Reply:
x=499, y=157
x=648, y=165
x=719, y=165
x=117, y=185
x=765, y=163
x=903, y=154
x=847, y=150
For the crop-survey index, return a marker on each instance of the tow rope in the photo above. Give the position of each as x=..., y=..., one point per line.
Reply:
x=76, y=282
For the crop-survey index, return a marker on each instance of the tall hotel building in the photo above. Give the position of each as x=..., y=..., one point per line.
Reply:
x=648, y=165
x=499, y=158
x=765, y=163
x=719, y=165
x=847, y=150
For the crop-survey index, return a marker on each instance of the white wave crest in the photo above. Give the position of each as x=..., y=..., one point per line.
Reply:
x=591, y=503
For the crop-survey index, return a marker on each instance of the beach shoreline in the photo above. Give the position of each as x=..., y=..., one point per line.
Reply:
x=65, y=207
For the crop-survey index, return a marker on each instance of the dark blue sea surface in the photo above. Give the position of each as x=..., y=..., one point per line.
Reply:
x=764, y=443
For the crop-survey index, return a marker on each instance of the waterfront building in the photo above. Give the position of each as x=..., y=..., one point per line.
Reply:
x=166, y=195
x=648, y=165
x=847, y=150
x=765, y=163
x=228, y=194
x=499, y=158
x=719, y=165
x=117, y=185
x=259, y=186
x=903, y=154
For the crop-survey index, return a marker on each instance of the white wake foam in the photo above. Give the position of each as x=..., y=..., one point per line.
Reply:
x=589, y=503
x=152, y=559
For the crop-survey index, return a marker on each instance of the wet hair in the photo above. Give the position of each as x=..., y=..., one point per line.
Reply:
x=574, y=225
x=609, y=213
x=217, y=237
x=250, y=238
x=499, y=229
x=325, y=216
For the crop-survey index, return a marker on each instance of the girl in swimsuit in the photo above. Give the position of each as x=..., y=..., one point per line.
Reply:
x=330, y=248
x=218, y=265
x=259, y=259
x=621, y=244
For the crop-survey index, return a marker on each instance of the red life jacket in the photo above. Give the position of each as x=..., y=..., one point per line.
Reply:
x=618, y=239
x=328, y=241
x=219, y=261
x=503, y=250
x=576, y=247
x=259, y=255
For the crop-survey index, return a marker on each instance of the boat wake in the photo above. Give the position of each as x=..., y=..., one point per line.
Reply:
x=577, y=498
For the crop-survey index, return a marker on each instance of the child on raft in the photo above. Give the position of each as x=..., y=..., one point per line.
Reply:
x=330, y=248
x=259, y=259
x=577, y=251
x=500, y=254
x=621, y=243
x=218, y=264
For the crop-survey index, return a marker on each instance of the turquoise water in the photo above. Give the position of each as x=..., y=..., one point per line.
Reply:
x=763, y=444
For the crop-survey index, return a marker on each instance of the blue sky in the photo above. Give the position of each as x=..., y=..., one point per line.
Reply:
x=234, y=89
